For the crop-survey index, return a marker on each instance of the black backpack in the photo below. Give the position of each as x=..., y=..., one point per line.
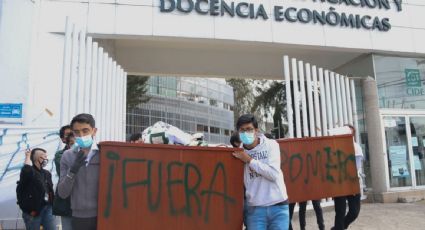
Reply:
x=24, y=197
x=29, y=196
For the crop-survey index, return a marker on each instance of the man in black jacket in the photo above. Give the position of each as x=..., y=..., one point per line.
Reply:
x=35, y=191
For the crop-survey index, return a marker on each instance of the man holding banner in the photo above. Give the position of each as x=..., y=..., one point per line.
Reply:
x=342, y=221
x=266, y=197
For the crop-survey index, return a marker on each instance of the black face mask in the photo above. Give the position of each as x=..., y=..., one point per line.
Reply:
x=43, y=163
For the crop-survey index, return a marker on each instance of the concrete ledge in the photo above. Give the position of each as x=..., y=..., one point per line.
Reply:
x=408, y=196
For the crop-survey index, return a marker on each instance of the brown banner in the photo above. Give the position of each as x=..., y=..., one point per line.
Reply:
x=316, y=168
x=169, y=187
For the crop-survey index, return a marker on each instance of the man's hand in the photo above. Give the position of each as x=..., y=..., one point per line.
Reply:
x=79, y=161
x=243, y=156
x=28, y=157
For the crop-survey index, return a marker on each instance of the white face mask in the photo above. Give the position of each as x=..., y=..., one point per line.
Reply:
x=43, y=163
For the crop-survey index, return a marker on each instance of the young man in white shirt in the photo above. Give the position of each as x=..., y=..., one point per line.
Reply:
x=266, y=197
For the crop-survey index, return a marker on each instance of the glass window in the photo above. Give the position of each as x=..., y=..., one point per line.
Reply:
x=401, y=82
x=397, y=151
x=202, y=100
x=417, y=129
x=214, y=130
x=199, y=128
x=213, y=102
x=153, y=90
x=162, y=91
x=171, y=93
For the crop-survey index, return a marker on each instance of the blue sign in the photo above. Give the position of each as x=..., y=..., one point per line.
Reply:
x=10, y=110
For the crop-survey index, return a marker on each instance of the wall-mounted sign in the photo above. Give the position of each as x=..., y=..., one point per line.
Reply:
x=414, y=82
x=281, y=13
x=413, y=78
x=10, y=110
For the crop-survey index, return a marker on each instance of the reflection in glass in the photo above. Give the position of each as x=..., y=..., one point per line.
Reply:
x=417, y=129
x=401, y=82
x=397, y=152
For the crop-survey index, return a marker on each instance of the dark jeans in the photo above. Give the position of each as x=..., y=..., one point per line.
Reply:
x=84, y=223
x=45, y=219
x=301, y=214
x=342, y=221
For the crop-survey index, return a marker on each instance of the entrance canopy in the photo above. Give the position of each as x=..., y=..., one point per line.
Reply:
x=218, y=58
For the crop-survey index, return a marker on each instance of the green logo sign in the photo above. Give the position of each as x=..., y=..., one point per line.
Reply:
x=413, y=78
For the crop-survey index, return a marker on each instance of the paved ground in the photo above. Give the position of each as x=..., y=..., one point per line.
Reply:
x=376, y=216
x=372, y=217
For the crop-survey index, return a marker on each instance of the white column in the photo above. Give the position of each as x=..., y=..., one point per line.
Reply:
x=356, y=123
x=339, y=100
x=87, y=75
x=66, y=74
x=328, y=101
x=113, y=110
x=118, y=128
x=310, y=100
x=303, y=99
x=377, y=156
x=108, y=102
x=344, y=100
x=121, y=106
x=106, y=64
x=124, y=105
x=99, y=86
x=72, y=110
x=334, y=101
x=289, y=112
x=318, y=126
x=94, y=87
x=349, y=104
x=296, y=97
x=81, y=72
x=323, y=103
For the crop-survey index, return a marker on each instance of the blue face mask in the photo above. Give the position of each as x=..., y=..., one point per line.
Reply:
x=247, y=138
x=84, y=142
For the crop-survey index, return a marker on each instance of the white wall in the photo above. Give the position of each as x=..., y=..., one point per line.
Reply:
x=15, y=51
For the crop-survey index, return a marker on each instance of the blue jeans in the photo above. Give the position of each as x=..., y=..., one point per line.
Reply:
x=66, y=222
x=45, y=219
x=274, y=217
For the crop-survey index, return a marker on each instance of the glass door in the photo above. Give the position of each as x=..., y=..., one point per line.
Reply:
x=396, y=141
x=417, y=136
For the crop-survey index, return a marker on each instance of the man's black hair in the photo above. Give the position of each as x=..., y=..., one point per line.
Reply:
x=62, y=131
x=246, y=119
x=135, y=136
x=352, y=128
x=269, y=135
x=235, y=138
x=33, y=153
x=84, y=118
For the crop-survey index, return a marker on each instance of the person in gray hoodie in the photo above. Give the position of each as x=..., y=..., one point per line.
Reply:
x=79, y=173
x=265, y=190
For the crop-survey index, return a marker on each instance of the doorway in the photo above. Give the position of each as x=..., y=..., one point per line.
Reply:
x=404, y=144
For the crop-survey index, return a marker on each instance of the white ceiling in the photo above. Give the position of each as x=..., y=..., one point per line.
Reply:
x=219, y=58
